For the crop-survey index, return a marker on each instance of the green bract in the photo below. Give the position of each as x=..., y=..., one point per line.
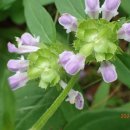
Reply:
x=97, y=39
x=44, y=65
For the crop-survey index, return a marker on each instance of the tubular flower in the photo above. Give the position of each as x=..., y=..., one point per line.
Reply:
x=21, y=48
x=26, y=44
x=124, y=32
x=109, y=9
x=18, y=65
x=108, y=72
x=72, y=63
x=92, y=8
x=69, y=22
x=18, y=80
x=74, y=97
x=28, y=39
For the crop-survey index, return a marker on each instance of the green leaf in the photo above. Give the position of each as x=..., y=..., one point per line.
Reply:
x=101, y=94
x=125, y=107
x=5, y=4
x=98, y=120
x=17, y=12
x=75, y=8
x=124, y=7
x=122, y=64
x=7, y=104
x=31, y=102
x=39, y=21
x=45, y=2
x=112, y=123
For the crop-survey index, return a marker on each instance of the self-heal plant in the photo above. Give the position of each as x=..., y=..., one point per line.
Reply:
x=53, y=63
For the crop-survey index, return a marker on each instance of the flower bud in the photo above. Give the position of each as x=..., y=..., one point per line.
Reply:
x=124, y=32
x=72, y=63
x=18, y=65
x=21, y=48
x=92, y=8
x=108, y=72
x=18, y=80
x=28, y=39
x=109, y=9
x=69, y=22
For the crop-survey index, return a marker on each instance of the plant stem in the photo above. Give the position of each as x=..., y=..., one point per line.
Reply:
x=56, y=17
x=50, y=111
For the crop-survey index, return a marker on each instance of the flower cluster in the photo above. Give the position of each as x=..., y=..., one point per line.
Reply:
x=26, y=44
x=96, y=39
x=44, y=63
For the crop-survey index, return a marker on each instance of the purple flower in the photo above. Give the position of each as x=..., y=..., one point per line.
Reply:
x=75, y=64
x=74, y=97
x=69, y=22
x=109, y=9
x=28, y=39
x=18, y=80
x=65, y=56
x=22, y=48
x=72, y=63
x=92, y=8
x=18, y=65
x=108, y=72
x=124, y=32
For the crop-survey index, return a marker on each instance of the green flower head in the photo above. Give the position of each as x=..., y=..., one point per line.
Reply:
x=44, y=65
x=97, y=39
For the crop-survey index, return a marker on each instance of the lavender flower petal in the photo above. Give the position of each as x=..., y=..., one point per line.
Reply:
x=75, y=64
x=79, y=101
x=124, y=32
x=11, y=47
x=64, y=57
x=75, y=97
x=69, y=22
x=17, y=65
x=28, y=39
x=108, y=72
x=92, y=8
x=22, y=48
x=109, y=9
x=18, y=80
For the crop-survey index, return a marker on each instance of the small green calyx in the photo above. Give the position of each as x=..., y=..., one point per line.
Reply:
x=97, y=39
x=44, y=65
